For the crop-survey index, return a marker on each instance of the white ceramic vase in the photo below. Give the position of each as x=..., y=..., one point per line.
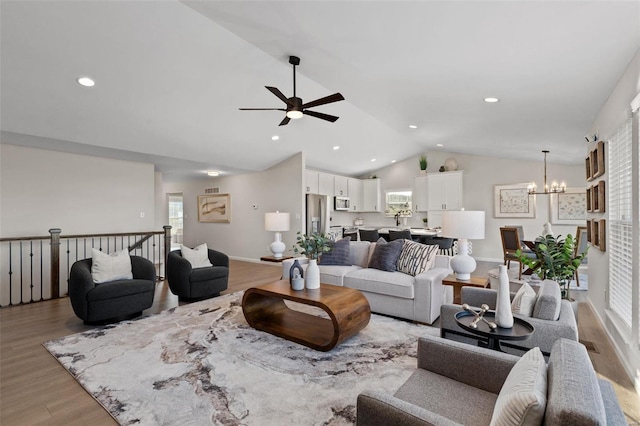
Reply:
x=504, y=316
x=312, y=275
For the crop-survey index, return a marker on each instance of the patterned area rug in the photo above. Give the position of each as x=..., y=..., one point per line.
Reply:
x=202, y=364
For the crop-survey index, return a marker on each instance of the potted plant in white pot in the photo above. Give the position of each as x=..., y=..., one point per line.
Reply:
x=422, y=161
x=312, y=246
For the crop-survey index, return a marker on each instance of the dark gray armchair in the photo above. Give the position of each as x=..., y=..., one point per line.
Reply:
x=199, y=283
x=115, y=300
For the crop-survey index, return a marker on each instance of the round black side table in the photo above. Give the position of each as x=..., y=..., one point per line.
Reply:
x=521, y=329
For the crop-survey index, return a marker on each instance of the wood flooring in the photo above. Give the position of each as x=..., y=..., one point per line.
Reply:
x=36, y=390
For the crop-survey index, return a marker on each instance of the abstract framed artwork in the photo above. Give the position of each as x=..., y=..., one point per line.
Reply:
x=569, y=208
x=513, y=201
x=214, y=208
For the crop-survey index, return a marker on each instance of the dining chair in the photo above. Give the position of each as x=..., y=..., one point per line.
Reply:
x=580, y=246
x=369, y=235
x=445, y=244
x=405, y=234
x=511, y=243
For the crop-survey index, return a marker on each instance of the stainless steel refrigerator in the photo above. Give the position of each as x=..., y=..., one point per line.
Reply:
x=317, y=211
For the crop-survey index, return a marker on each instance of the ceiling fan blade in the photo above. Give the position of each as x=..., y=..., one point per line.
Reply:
x=326, y=100
x=279, y=94
x=331, y=118
x=285, y=121
x=262, y=109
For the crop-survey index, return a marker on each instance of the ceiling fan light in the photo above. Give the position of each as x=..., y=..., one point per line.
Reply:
x=294, y=115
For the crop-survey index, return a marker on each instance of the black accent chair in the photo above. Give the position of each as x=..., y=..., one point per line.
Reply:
x=199, y=283
x=405, y=234
x=115, y=300
x=370, y=235
x=445, y=244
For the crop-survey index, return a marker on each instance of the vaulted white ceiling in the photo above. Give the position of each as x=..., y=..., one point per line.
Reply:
x=170, y=77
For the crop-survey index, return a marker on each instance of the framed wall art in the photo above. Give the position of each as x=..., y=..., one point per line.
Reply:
x=569, y=208
x=214, y=208
x=513, y=201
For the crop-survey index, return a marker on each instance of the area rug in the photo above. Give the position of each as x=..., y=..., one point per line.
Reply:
x=202, y=364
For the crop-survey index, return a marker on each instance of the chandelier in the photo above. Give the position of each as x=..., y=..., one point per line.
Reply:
x=554, y=189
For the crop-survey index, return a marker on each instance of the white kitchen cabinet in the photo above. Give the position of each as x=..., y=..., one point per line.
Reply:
x=444, y=191
x=371, y=195
x=354, y=187
x=419, y=197
x=311, y=182
x=435, y=218
x=340, y=186
x=325, y=184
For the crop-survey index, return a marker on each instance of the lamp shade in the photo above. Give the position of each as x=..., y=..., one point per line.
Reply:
x=277, y=221
x=466, y=224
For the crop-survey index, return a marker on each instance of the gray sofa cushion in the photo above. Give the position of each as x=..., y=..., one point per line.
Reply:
x=548, y=303
x=386, y=255
x=339, y=253
x=573, y=393
x=334, y=274
x=375, y=281
x=359, y=253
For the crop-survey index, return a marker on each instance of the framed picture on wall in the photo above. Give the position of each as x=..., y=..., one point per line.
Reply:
x=513, y=201
x=569, y=208
x=214, y=208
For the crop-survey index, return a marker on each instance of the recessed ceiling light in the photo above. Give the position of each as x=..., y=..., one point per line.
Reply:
x=85, y=81
x=413, y=126
x=335, y=148
x=393, y=161
x=275, y=137
x=373, y=159
x=491, y=100
x=213, y=173
x=439, y=144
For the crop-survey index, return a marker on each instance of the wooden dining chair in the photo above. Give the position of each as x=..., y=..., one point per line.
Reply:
x=580, y=246
x=510, y=244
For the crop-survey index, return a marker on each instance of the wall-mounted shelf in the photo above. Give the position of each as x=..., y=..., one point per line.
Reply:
x=594, y=163
x=596, y=233
x=596, y=198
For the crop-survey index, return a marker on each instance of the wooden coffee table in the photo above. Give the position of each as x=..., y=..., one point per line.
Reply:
x=348, y=310
x=458, y=284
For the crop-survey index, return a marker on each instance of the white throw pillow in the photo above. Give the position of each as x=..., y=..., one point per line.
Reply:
x=110, y=267
x=523, y=397
x=524, y=300
x=198, y=257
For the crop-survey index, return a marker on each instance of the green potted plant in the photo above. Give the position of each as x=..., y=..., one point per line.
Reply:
x=423, y=164
x=425, y=222
x=312, y=246
x=555, y=260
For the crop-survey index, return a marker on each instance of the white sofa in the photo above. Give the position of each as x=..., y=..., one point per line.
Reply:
x=397, y=294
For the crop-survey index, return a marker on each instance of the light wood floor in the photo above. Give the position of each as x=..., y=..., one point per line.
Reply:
x=36, y=390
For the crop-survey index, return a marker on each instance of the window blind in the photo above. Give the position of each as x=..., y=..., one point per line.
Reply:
x=620, y=242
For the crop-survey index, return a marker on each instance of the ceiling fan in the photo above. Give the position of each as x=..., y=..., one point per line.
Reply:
x=295, y=108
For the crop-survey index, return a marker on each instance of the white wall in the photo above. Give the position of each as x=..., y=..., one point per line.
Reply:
x=611, y=116
x=480, y=175
x=278, y=188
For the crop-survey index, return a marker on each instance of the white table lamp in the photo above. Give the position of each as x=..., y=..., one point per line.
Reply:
x=277, y=222
x=463, y=225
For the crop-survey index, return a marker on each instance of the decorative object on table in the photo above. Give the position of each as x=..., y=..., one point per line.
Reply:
x=546, y=229
x=425, y=222
x=556, y=259
x=296, y=276
x=312, y=246
x=422, y=161
x=464, y=225
x=451, y=164
x=358, y=221
x=532, y=188
x=504, y=316
x=441, y=169
x=513, y=201
x=277, y=222
x=479, y=316
x=214, y=208
x=569, y=208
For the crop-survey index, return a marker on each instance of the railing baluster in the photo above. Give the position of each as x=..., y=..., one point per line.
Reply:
x=55, y=262
x=41, y=273
x=31, y=270
x=10, y=276
x=21, y=275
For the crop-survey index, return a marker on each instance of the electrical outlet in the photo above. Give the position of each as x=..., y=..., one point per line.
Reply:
x=141, y=215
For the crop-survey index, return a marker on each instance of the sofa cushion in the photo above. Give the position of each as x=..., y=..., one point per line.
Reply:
x=334, y=274
x=573, y=391
x=208, y=274
x=523, y=397
x=548, y=302
x=385, y=255
x=198, y=257
x=338, y=253
x=415, y=258
x=120, y=288
x=110, y=267
x=359, y=253
x=524, y=300
x=387, y=283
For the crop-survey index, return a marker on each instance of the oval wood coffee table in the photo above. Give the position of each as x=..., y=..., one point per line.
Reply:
x=347, y=308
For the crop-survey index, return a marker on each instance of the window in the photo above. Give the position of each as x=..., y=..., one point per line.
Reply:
x=398, y=202
x=175, y=218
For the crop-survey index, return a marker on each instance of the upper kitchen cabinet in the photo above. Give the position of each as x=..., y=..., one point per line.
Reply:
x=325, y=184
x=311, y=181
x=354, y=187
x=444, y=191
x=419, y=197
x=340, y=186
x=371, y=195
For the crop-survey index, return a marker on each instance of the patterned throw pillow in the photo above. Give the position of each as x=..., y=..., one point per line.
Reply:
x=386, y=255
x=416, y=258
x=339, y=254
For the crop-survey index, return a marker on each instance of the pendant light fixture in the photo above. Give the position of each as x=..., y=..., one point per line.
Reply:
x=532, y=189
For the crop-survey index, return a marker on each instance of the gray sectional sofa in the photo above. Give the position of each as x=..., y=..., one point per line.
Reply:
x=397, y=294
